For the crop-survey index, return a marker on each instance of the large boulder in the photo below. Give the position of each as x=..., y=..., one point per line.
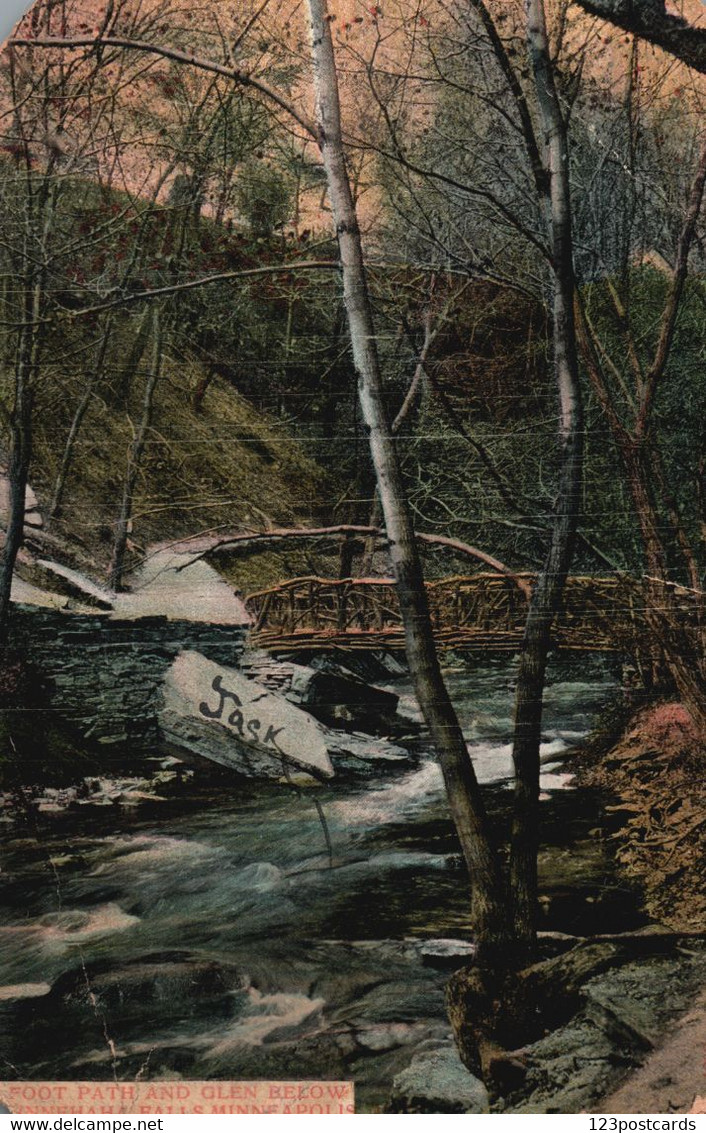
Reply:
x=215, y=712
x=171, y=984
x=374, y=666
x=341, y=700
x=329, y=691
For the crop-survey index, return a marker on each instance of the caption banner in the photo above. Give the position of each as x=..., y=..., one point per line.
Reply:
x=177, y=1097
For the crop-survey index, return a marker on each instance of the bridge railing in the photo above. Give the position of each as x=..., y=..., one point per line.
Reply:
x=326, y=605
x=484, y=610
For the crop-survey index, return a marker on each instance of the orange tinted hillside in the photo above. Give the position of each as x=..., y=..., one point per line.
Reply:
x=152, y=96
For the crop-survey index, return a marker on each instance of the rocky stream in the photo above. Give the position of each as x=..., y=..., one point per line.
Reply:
x=181, y=922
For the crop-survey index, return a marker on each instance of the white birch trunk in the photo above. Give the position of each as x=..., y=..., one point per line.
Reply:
x=488, y=908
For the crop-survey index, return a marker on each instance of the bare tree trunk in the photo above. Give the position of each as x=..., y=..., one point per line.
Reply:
x=467, y=807
x=122, y=386
x=117, y=561
x=346, y=555
x=202, y=388
x=410, y=400
x=31, y=266
x=27, y=360
x=81, y=410
x=550, y=583
x=20, y=455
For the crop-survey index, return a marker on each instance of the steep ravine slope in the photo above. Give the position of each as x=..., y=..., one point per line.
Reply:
x=228, y=466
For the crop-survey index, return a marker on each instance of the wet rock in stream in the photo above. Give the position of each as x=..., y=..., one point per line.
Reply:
x=436, y=1081
x=333, y=694
x=100, y=1000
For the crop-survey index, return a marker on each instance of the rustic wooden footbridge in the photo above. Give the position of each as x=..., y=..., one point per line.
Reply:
x=481, y=612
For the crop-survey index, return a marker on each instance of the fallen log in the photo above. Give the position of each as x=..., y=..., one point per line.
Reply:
x=236, y=544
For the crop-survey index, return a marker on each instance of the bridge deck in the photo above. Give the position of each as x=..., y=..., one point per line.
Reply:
x=393, y=639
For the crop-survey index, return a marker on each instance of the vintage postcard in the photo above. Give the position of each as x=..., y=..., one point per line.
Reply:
x=353, y=507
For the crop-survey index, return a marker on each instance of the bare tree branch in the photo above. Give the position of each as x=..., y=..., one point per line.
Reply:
x=242, y=78
x=204, y=281
x=676, y=287
x=237, y=543
x=652, y=22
